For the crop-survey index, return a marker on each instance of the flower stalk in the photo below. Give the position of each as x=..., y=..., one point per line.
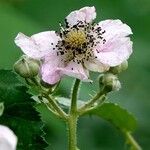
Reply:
x=99, y=96
x=131, y=141
x=55, y=106
x=72, y=132
x=74, y=96
x=73, y=117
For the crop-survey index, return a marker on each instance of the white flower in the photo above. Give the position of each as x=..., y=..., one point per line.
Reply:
x=80, y=46
x=8, y=139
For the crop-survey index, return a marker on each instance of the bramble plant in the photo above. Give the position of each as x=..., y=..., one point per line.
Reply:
x=80, y=46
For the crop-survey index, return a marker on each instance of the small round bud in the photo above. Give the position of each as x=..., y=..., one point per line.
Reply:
x=27, y=67
x=111, y=82
x=118, y=69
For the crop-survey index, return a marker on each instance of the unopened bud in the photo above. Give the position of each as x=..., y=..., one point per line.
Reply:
x=118, y=69
x=27, y=67
x=111, y=82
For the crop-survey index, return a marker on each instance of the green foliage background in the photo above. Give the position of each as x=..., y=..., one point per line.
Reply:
x=33, y=16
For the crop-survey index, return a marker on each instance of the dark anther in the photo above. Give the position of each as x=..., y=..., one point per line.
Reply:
x=60, y=34
x=99, y=28
x=65, y=32
x=79, y=50
x=100, y=37
x=74, y=26
x=67, y=47
x=104, y=40
x=63, y=42
x=81, y=25
x=92, y=28
x=103, y=32
x=74, y=53
x=84, y=45
x=67, y=24
x=61, y=52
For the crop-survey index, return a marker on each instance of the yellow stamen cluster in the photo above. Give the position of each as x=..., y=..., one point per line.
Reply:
x=75, y=38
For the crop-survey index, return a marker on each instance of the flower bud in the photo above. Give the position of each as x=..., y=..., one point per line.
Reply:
x=27, y=67
x=111, y=82
x=118, y=69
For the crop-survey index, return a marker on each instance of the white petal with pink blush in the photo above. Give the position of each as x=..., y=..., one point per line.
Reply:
x=8, y=139
x=38, y=45
x=79, y=47
x=114, y=52
x=49, y=70
x=75, y=70
x=85, y=14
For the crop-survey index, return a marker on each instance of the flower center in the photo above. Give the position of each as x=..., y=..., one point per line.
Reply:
x=75, y=39
x=78, y=42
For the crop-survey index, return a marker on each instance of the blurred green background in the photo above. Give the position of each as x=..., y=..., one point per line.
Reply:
x=33, y=16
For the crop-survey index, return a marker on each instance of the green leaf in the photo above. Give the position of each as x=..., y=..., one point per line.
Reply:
x=1, y=108
x=66, y=102
x=20, y=113
x=118, y=116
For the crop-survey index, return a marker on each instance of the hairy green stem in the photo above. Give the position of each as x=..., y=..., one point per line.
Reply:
x=55, y=106
x=131, y=141
x=73, y=117
x=50, y=108
x=99, y=96
x=74, y=96
x=72, y=132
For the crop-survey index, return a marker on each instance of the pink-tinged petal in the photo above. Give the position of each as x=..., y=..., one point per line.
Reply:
x=8, y=139
x=85, y=14
x=38, y=45
x=114, y=29
x=114, y=52
x=49, y=70
x=96, y=66
x=90, y=13
x=75, y=70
